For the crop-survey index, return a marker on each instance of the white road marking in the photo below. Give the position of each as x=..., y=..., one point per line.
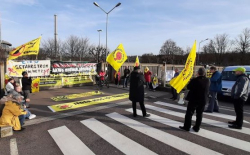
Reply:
x=51, y=109
x=185, y=108
x=230, y=141
x=175, y=142
x=78, y=112
x=68, y=142
x=13, y=147
x=228, y=109
x=204, y=120
x=122, y=143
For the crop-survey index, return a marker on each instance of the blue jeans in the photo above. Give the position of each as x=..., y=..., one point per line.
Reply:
x=125, y=83
x=23, y=117
x=213, y=104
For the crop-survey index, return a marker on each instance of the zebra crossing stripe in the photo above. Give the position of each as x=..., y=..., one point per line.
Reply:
x=68, y=142
x=233, y=142
x=166, y=138
x=204, y=120
x=124, y=144
x=185, y=108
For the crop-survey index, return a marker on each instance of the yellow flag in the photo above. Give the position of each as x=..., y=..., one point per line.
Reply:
x=137, y=62
x=30, y=48
x=117, y=58
x=181, y=81
x=35, y=85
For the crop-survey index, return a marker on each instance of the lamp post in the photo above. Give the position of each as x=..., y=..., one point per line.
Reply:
x=199, y=50
x=107, y=13
x=98, y=52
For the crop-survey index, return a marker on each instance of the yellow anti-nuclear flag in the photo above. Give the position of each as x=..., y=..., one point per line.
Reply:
x=35, y=85
x=30, y=48
x=117, y=58
x=137, y=62
x=183, y=78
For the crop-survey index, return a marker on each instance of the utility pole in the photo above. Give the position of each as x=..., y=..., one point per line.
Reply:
x=55, y=35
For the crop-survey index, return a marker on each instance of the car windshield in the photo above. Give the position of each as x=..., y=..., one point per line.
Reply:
x=230, y=75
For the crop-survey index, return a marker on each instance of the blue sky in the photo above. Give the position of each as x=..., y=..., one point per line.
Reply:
x=141, y=25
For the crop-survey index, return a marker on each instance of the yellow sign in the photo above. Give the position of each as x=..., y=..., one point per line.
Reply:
x=137, y=62
x=75, y=80
x=84, y=103
x=209, y=74
x=30, y=48
x=73, y=96
x=183, y=78
x=117, y=58
x=35, y=85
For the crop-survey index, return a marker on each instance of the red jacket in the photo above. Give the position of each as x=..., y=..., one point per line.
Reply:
x=147, y=76
x=119, y=75
x=102, y=75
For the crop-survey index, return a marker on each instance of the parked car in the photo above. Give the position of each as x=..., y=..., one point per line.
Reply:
x=229, y=78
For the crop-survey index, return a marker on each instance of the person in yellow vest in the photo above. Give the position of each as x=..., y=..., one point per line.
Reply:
x=154, y=83
x=12, y=113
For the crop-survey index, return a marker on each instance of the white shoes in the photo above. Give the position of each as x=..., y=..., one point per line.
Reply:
x=32, y=116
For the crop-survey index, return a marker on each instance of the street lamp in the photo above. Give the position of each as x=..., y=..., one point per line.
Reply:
x=107, y=13
x=98, y=52
x=199, y=50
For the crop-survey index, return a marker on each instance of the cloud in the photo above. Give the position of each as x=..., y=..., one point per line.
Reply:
x=23, y=2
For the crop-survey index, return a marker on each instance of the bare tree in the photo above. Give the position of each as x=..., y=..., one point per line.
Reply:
x=221, y=44
x=209, y=48
x=242, y=44
x=47, y=49
x=169, y=49
x=97, y=53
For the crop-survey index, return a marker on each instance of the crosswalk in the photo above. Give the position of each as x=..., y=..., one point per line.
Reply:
x=69, y=143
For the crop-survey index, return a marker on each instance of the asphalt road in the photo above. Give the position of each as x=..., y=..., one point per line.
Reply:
x=109, y=128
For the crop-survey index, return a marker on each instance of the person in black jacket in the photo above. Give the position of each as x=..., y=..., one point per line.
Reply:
x=239, y=93
x=126, y=76
x=197, y=97
x=26, y=86
x=136, y=91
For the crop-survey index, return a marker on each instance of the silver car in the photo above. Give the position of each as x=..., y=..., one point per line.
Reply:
x=229, y=78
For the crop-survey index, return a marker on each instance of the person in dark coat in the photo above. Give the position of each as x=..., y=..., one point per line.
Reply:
x=215, y=87
x=239, y=93
x=136, y=91
x=197, y=97
x=26, y=86
x=126, y=76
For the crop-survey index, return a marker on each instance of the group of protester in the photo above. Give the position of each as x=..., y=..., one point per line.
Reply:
x=200, y=89
x=151, y=81
x=16, y=103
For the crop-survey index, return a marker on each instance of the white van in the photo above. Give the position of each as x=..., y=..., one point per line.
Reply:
x=229, y=78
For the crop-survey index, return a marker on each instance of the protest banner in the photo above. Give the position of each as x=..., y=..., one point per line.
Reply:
x=58, y=67
x=33, y=67
x=84, y=103
x=74, y=96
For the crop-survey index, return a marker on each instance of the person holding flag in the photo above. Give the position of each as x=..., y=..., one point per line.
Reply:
x=197, y=97
x=199, y=88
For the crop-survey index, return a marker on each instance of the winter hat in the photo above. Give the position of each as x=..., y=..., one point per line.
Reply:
x=241, y=69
